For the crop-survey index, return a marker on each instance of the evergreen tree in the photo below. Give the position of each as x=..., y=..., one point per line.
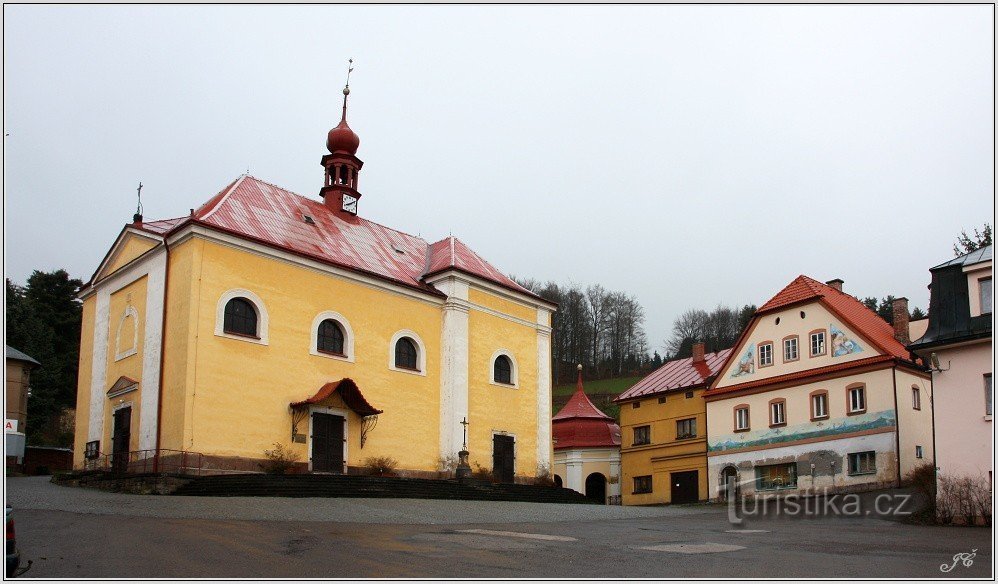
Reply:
x=966, y=244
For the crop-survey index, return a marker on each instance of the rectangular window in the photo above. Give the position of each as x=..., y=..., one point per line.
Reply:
x=776, y=476
x=818, y=343
x=916, y=398
x=741, y=419
x=642, y=484
x=689, y=395
x=857, y=400
x=819, y=406
x=918, y=452
x=765, y=354
x=790, y=349
x=778, y=413
x=686, y=428
x=863, y=463
x=635, y=405
x=92, y=450
x=985, y=287
x=661, y=400
x=989, y=397
x=642, y=435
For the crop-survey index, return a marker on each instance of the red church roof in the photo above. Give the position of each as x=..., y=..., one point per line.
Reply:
x=854, y=313
x=267, y=214
x=580, y=424
x=680, y=374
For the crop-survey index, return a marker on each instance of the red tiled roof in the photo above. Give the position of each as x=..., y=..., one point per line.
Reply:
x=350, y=393
x=159, y=227
x=580, y=424
x=853, y=312
x=678, y=374
x=271, y=215
x=800, y=375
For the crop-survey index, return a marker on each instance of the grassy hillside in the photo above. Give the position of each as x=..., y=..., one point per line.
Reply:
x=600, y=392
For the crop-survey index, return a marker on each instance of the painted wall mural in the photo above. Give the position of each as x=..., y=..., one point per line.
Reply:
x=756, y=438
x=842, y=344
x=746, y=366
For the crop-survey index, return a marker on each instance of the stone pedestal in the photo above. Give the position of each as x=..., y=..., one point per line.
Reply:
x=463, y=469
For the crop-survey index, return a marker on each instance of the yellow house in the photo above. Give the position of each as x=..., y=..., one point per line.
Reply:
x=663, y=422
x=264, y=317
x=818, y=395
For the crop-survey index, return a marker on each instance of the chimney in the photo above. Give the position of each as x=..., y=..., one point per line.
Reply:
x=901, y=318
x=836, y=283
x=698, y=353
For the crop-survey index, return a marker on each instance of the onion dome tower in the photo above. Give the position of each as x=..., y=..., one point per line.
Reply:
x=341, y=164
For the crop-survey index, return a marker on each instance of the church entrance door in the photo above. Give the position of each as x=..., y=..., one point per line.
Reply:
x=328, y=440
x=502, y=457
x=120, y=439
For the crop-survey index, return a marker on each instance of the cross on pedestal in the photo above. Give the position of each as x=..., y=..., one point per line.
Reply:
x=464, y=442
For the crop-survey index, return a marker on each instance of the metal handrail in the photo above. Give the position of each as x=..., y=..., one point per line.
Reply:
x=157, y=461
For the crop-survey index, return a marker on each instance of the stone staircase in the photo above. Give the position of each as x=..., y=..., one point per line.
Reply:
x=314, y=485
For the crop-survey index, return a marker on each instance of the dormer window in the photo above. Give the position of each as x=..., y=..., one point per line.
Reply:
x=984, y=287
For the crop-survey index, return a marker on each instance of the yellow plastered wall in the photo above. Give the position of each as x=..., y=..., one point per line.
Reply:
x=506, y=306
x=131, y=247
x=494, y=408
x=133, y=295
x=914, y=426
x=765, y=328
x=241, y=390
x=179, y=342
x=84, y=379
x=665, y=454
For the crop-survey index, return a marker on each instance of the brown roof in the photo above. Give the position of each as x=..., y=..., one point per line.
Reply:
x=348, y=391
x=677, y=375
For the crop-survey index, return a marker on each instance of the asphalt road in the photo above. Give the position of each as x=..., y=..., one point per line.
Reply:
x=677, y=543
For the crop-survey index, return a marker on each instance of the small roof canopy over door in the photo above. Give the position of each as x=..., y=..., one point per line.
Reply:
x=351, y=397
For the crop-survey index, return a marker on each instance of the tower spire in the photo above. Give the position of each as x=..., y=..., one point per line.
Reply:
x=346, y=89
x=137, y=217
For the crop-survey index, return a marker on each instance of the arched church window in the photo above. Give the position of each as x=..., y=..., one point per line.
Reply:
x=503, y=370
x=240, y=317
x=330, y=337
x=405, y=354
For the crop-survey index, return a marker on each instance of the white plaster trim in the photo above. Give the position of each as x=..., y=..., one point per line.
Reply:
x=128, y=352
x=420, y=353
x=98, y=367
x=261, y=314
x=348, y=339
x=543, y=398
x=514, y=370
x=346, y=431
x=454, y=351
x=115, y=252
x=506, y=293
x=151, y=352
x=297, y=260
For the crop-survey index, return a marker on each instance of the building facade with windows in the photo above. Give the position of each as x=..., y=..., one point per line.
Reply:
x=818, y=393
x=586, y=448
x=19, y=368
x=265, y=317
x=958, y=346
x=663, y=420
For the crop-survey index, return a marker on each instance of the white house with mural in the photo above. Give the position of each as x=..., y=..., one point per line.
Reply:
x=818, y=394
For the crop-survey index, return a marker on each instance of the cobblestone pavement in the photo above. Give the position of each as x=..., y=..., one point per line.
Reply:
x=39, y=493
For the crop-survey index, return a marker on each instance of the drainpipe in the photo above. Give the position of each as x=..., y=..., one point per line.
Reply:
x=162, y=354
x=897, y=423
x=935, y=459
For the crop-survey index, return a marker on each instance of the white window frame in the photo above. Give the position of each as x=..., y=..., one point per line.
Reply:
x=120, y=354
x=262, y=319
x=820, y=338
x=862, y=456
x=916, y=398
x=821, y=398
x=348, y=339
x=986, y=308
x=738, y=419
x=861, y=391
x=514, y=370
x=918, y=451
x=420, y=353
x=788, y=344
x=989, y=397
x=779, y=407
x=763, y=362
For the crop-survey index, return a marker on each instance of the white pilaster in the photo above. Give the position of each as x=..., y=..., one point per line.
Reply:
x=151, y=351
x=98, y=368
x=544, y=390
x=573, y=467
x=453, y=366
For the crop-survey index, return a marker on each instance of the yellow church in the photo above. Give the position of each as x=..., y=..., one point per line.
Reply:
x=266, y=317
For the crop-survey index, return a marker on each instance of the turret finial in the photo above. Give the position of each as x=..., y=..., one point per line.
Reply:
x=346, y=88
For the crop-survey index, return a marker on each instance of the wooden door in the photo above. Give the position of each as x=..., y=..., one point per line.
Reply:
x=328, y=438
x=120, y=439
x=685, y=487
x=503, y=457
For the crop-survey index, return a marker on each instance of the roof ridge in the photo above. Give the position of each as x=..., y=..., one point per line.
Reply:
x=227, y=193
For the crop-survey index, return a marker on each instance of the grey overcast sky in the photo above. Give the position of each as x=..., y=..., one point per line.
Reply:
x=689, y=155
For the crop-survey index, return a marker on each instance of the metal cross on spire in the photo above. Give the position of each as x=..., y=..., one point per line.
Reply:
x=137, y=218
x=346, y=88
